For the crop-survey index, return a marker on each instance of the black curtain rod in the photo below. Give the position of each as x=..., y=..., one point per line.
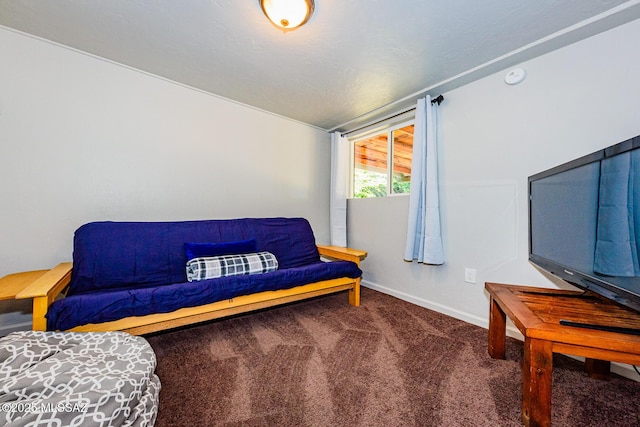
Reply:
x=437, y=100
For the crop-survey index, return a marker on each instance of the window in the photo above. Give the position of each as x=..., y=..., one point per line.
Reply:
x=373, y=174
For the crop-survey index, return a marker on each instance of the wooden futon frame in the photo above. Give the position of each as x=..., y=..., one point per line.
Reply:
x=45, y=285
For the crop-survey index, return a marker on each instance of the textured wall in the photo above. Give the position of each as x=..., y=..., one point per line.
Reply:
x=83, y=139
x=574, y=101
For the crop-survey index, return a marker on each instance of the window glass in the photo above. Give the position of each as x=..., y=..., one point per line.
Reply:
x=402, y=151
x=370, y=166
x=372, y=174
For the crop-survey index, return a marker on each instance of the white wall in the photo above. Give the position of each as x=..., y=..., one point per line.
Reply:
x=574, y=101
x=83, y=139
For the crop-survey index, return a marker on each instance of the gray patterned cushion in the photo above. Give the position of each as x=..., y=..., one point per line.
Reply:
x=77, y=379
x=230, y=265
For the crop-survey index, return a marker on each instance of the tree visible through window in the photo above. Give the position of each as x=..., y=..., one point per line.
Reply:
x=373, y=174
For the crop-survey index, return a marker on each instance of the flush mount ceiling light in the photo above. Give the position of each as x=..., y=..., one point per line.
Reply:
x=288, y=15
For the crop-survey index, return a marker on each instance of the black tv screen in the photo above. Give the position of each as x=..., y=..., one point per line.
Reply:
x=584, y=222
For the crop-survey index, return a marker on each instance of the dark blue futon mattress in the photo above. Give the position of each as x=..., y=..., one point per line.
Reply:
x=108, y=305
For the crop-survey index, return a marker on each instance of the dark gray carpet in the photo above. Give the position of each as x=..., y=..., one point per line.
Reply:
x=387, y=363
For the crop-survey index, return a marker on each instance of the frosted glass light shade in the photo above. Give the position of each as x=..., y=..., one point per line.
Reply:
x=288, y=14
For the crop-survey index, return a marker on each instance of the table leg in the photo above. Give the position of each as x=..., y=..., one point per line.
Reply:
x=537, y=370
x=598, y=369
x=497, y=331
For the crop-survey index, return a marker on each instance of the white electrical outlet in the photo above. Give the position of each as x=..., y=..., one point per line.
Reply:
x=470, y=275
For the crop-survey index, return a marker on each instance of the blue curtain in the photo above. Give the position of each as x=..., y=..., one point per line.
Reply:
x=424, y=239
x=338, y=197
x=618, y=227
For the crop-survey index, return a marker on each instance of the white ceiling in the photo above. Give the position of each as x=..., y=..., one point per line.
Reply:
x=354, y=61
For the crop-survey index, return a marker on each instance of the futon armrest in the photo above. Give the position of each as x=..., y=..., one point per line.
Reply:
x=338, y=252
x=49, y=284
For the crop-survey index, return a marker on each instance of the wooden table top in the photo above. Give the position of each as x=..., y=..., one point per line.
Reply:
x=537, y=312
x=12, y=284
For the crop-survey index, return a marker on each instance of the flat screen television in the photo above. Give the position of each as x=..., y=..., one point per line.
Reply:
x=584, y=222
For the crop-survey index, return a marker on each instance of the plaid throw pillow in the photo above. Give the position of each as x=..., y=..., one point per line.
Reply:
x=230, y=265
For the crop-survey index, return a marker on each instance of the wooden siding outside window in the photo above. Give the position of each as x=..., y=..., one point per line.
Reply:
x=371, y=163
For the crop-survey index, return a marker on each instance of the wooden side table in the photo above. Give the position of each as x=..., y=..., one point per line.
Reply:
x=12, y=284
x=537, y=312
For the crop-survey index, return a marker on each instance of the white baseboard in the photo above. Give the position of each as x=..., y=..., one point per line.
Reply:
x=624, y=370
x=461, y=315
